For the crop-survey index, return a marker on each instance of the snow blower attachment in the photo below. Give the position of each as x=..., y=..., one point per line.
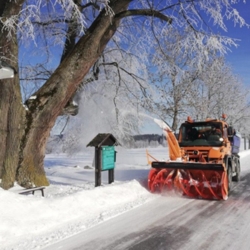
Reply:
x=203, y=161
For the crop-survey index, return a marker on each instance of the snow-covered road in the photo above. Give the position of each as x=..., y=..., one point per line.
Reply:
x=122, y=215
x=170, y=222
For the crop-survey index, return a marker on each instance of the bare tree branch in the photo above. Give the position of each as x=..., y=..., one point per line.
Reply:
x=143, y=12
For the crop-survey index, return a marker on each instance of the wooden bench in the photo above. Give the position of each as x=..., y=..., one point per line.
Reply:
x=32, y=190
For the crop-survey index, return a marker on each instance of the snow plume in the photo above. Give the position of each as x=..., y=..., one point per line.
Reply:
x=101, y=113
x=162, y=124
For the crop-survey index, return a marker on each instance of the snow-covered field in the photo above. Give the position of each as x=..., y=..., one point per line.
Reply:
x=72, y=203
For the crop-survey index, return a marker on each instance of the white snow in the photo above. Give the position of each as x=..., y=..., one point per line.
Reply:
x=72, y=203
x=33, y=97
x=6, y=72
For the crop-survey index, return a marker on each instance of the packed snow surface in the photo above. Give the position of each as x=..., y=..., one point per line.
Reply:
x=72, y=203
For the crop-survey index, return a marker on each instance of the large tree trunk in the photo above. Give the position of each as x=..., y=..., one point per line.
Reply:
x=11, y=109
x=49, y=101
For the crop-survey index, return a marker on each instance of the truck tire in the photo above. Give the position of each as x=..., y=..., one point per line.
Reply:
x=229, y=178
x=237, y=176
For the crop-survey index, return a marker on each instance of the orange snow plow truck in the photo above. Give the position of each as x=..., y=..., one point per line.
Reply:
x=203, y=160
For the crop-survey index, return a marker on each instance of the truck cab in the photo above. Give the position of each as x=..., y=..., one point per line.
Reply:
x=210, y=133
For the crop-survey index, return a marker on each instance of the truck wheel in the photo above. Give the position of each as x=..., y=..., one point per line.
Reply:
x=229, y=178
x=237, y=176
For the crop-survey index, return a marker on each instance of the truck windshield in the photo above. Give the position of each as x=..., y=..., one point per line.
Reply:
x=201, y=134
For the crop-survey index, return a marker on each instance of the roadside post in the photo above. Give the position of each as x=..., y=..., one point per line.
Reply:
x=245, y=141
x=105, y=156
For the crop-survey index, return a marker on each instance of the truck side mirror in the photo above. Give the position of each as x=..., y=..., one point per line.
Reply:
x=176, y=135
x=230, y=131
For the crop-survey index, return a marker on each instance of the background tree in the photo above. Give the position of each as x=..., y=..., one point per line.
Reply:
x=177, y=71
x=76, y=33
x=199, y=88
x=218, y=91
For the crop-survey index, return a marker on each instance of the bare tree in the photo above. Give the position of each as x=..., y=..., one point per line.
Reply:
x=199, y=88
x=219, y=91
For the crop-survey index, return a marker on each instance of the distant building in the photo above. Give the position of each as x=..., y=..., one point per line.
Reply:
x=145, y=140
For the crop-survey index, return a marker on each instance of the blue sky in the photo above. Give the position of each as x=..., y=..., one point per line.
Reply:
x=239, y=58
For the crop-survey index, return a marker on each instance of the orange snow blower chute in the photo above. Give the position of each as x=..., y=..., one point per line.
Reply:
x=203, y=161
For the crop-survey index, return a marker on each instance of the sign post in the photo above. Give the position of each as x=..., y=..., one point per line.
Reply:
x=98, y=167
x=105, y=156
